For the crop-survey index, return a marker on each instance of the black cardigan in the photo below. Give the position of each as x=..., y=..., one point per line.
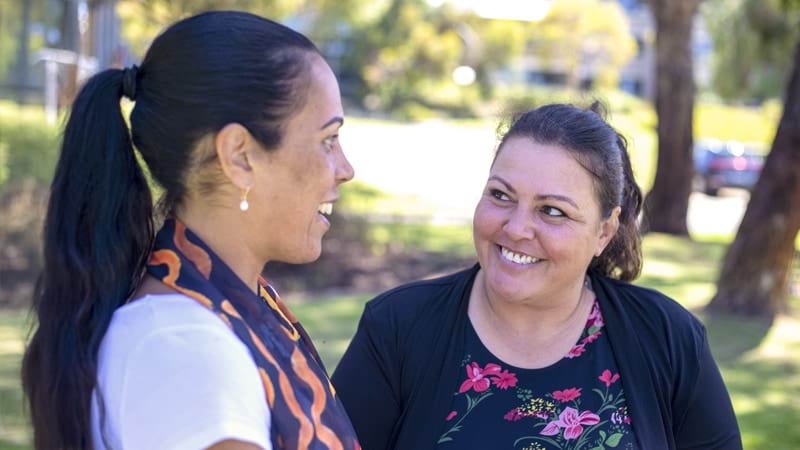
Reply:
x=397, y=377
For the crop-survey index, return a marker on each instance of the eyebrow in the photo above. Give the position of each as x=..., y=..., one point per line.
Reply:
x=334, y=120
x=562, y=198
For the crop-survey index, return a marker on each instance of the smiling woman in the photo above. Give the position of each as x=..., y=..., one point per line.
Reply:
x=543, y=344
x=172, y=340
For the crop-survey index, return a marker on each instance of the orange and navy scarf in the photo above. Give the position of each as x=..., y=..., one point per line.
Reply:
x=305, y=411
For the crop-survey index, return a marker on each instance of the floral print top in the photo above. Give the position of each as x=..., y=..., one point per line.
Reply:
x=577, y=403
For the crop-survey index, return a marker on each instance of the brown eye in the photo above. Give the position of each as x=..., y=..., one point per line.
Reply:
x=499, y=195
x=553, y=212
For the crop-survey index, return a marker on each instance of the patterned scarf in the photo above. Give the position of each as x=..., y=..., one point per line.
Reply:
x=305, y=411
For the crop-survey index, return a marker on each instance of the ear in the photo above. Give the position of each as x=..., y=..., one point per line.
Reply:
x=232, y=143
x=608, y=229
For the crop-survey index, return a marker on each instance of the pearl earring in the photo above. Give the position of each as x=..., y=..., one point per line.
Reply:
x=244, y=205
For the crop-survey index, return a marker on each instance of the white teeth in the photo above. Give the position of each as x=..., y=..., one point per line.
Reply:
x=517, y=257
x=325, y=208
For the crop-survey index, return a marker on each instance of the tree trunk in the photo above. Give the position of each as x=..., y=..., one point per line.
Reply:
x=70, y=29
x=667, y=203
x=23, y=60
x=755, y=272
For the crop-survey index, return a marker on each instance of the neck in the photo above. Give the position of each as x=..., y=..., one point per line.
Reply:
x=535, y=319
x=223, y=232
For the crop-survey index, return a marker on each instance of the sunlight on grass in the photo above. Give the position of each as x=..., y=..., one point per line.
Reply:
x=760, y=361
x=13, y=425
x=735, y=123
x=331, y=322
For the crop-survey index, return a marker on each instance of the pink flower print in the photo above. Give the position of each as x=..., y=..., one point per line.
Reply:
x=477, y=377
x=513, y=415
x=505, y=380
x=567, y=395
x=571, y=422
x=620, y=416
x=591, y=338
x=576, y=351
x=451, y=416
x=607, y=378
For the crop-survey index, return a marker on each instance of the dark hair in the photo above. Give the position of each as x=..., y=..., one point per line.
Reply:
x=601, y=150
x=199, y=75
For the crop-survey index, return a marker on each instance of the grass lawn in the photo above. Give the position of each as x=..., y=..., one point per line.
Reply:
x=13, y=430
x=760, y=361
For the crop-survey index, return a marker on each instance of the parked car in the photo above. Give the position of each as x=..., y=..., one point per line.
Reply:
x=723, y=164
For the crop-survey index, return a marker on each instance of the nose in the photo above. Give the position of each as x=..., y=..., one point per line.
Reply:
x=344, y=171
x=520, y=224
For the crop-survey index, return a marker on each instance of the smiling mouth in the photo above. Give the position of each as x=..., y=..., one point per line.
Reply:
x=517, y=258
x=326, y=209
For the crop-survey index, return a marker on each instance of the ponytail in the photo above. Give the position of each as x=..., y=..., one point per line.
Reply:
x=98, y=231
x=622, y=257
x=99, y=224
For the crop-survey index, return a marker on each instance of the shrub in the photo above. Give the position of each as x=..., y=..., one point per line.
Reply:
x=28, y=145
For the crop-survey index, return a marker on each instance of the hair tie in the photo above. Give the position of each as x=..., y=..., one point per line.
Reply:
x=129, y=75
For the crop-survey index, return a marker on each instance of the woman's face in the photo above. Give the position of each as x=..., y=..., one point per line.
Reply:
x=297, y=183
x=538, y=223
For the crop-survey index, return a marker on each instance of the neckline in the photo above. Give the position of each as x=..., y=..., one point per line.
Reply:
x=471, y=333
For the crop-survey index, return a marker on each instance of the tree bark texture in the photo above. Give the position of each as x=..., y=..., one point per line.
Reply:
x=667, y=203
x=755, y=273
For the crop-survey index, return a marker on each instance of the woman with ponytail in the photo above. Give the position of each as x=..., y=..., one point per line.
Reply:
x=543, y=344
x=171, y=339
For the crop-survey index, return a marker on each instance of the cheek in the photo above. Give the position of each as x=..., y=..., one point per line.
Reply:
x=558, y=239
x=486, y=220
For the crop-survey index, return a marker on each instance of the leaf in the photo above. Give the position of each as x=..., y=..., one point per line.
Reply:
x=614, y=439
x=603, y=435
x=445, y=439
x=599, y=447
x=470, y=402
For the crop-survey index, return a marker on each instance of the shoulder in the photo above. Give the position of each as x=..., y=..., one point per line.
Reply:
x=650, y=317
x=647, y=304
x=410, y=300
x=166, y=357
x=167, y=320
x=154, y=314
x=164, y=330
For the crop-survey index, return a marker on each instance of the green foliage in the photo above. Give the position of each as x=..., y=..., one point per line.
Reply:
x=402, y=60
x=753, y=42
x=28, y=146
x=142, y=20
x=585, y=33
x=714, y=120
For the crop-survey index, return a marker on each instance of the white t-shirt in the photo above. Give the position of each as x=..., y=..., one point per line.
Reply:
x=174, y=376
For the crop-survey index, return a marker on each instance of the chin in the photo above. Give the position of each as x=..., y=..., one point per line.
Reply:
x=309, y=256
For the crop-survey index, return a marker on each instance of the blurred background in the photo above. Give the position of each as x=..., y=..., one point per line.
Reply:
x=707, y=93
